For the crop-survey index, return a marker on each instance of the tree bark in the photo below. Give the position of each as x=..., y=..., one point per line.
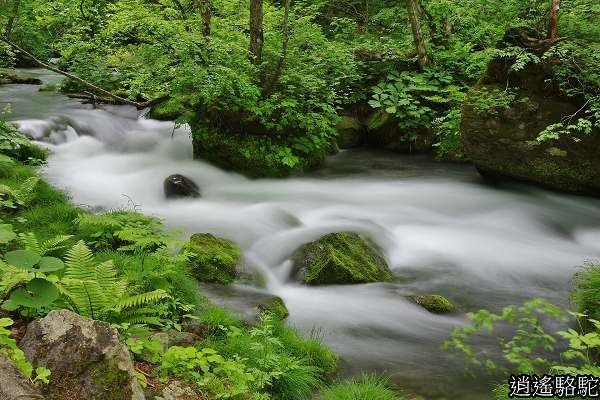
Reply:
x=415, y=25
x=284, y=47
x=93, y=87
x=11, y=20
x=206, y=11
x=554, y=16
x=256, y=31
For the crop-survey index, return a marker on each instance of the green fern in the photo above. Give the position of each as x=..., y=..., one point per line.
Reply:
x=22, y=196
x=31, y=242
x=98, y=292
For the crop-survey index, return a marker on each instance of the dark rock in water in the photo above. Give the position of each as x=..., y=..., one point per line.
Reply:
x=86, y=358
x=13, y=385
x=177, y=186
x=500, y=128
x=341, y=258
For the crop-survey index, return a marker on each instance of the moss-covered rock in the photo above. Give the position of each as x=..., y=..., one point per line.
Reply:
x=13, y=76
x=383, y=132
x=274, y=306
x=341, y=258
x=433, y=303
x=257, y=155
x=500, y=132
x=212, y=259
x=350, y=132
x=86, y=358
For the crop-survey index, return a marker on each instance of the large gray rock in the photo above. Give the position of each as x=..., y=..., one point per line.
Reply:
x=13, y=385
x=86, y=358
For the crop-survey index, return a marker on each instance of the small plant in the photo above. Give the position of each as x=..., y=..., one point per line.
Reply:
x=9, y=347
x=96, y=291
x=18, y=197
x=491, y=101
x=369, y=387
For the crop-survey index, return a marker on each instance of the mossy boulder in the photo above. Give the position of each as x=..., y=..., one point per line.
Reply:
x=341, y=258
x=384, y=132
x=12, y=76
x=500, y=136
x=212, y=259
x=274, y=306
x=86, y=358
x=433, y=303
x=350, y=132
x=256, y=153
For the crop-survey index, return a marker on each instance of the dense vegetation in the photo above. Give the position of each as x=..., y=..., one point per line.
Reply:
x=264, y=97
x=269, y=88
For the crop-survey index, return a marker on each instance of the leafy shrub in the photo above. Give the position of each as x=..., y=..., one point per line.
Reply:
x=416, y=99
x=19, y=147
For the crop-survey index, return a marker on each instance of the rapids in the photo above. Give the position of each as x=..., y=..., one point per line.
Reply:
x=443, y=231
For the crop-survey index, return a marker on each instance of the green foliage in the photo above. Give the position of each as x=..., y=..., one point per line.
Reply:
x=416, y=99
x=121, y=230
x=586, y=295
x=19, y=147
x=98, y=292
x=12, y=197
x=9, y=347
x=369, y=387
x=524, y=350
x=491, y=101
x=447, y=128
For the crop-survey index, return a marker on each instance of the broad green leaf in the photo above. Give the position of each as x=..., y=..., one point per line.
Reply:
x=24, y=259
x=6, y=233
x=37, y=293
x=50, y=264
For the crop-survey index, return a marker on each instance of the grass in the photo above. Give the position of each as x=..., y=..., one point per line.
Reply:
x=370, y=387
x=586, y=294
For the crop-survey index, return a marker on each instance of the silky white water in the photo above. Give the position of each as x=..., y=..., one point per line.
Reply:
x=441, y=229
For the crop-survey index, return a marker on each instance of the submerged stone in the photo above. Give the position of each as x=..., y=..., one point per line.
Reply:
x=274, y=306
x=341, y=258
x=212, y=259
x=433, y=303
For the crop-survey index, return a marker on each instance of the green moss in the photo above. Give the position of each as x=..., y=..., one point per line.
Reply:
x=341, y=258
x=256, y=155
x=212, y=259
x=274, y=306
x=433, y=303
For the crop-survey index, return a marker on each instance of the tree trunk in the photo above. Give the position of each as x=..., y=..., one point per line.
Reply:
x=554, y=15
x=256, y=31
x=284, y=46
x=415, y=25
x=206, y=11
x=11, y=20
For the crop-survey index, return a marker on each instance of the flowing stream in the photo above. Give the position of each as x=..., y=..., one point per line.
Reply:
x=443, y=231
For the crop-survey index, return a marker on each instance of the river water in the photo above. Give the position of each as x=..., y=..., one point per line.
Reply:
x=443, y=231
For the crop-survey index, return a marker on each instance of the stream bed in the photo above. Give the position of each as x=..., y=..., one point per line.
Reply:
x=442, y=230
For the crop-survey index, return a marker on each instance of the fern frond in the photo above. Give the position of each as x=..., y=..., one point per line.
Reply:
x=30, y=242
x=56, y=243
x=140, y=300
x=78, y=262
x=26, y=191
